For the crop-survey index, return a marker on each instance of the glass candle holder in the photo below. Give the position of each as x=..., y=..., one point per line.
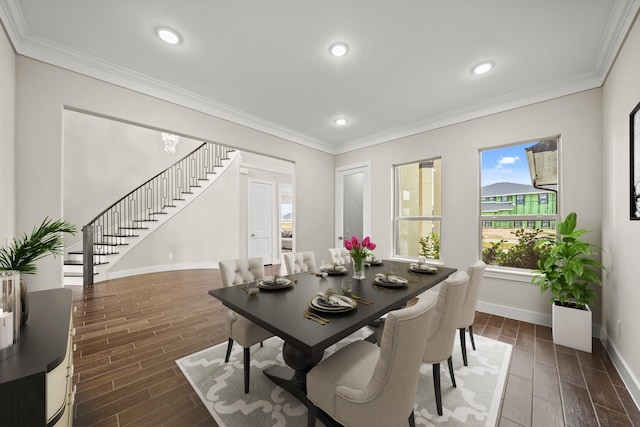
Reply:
x=10, y=312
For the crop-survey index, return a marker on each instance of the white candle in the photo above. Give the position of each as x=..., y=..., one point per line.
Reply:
x=6, y=329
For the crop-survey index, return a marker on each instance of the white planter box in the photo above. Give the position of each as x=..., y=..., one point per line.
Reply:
x=572, y=327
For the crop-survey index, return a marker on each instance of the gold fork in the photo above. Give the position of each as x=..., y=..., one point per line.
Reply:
x=306, y=316
x=382, y=288
x=360, y=300
x=311, y=314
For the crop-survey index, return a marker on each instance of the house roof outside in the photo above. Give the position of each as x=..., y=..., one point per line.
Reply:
x=508, y=189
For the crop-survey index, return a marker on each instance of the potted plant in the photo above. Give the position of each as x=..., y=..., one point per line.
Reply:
x=566, y=270
x=21, y=254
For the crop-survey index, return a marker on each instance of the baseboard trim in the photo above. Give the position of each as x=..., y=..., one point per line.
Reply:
x=515, y=313
x=525, y=315
x=158, y=269
x=629, y=380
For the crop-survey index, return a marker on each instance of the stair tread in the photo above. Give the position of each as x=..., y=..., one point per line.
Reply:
x=120, y=235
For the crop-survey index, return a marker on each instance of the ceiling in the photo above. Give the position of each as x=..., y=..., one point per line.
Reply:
x=266, y=64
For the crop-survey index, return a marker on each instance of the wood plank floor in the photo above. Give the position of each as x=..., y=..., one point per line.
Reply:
x=130, y=331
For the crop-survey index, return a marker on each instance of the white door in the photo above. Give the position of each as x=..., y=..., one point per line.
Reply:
x=353, y=202
x=261, y=223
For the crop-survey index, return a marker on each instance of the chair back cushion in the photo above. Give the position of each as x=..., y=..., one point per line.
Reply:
x=389, y=396
x=339, y=256
x=237, y=271
x=445, y=318
x=468, y=310
x=297, y=262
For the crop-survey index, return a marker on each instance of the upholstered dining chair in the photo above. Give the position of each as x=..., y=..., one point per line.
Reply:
x=468, y=310
x=442, y=333
x=339, y=256
x=297, y=262
x=239, y=328
x=366, y=385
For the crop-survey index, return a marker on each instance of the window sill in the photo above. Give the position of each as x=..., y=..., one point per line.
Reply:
x=511, y=274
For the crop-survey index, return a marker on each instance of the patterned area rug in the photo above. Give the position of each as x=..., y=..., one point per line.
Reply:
x=475, y=402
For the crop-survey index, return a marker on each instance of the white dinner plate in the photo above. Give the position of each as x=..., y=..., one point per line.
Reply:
x=424, y=268
x=331, y=270
x=280, y=283
x=317, y=304
x=391, y=281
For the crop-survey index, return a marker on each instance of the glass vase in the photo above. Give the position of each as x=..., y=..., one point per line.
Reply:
x=358, y=268
x=10, y=312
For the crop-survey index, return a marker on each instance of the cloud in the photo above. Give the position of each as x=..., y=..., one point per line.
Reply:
x=507, y=160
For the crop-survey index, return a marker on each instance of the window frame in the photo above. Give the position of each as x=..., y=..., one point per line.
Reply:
x=521, y=274
x=397, y=216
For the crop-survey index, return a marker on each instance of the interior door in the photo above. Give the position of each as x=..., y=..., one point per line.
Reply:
x=261, y=223
x=353, y=202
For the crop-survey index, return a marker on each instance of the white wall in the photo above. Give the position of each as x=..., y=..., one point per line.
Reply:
x=577, y=118
x=198, y=236
x=621, y=289
x=44, y=91
x=106, y=159
x=7, y=139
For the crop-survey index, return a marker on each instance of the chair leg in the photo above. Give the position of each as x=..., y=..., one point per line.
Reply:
x=246, y=369
x=312, y=413
x=226, y=358
x=473, y=344
x=463, y=346
x=412, y=420
x=436, y=387
x=453, y=377
x=261, y=344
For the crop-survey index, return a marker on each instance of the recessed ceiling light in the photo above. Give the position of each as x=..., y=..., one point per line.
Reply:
x=482, y=68
x=341, y=122
x=339, y=49
x=168, y=36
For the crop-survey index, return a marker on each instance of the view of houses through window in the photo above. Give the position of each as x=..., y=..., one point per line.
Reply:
x=418, y=209
x=519, y=201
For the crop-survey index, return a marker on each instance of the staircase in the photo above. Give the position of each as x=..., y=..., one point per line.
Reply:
x=116, y=230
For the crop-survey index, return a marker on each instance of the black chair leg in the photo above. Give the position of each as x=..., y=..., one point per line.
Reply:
x=226, y=358
x=473, y=344
x=453, y=377
x=436, y=387
x=246, y=369
x=463, y=346
x=412, y=420
x=312, y=413
x=261, y=344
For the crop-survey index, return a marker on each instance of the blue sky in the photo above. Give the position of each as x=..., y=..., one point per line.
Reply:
x=508, y=164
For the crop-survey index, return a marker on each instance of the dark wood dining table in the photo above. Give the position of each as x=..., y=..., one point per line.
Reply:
x=281, y=311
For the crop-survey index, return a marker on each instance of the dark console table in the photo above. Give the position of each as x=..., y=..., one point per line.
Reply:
x=36, y=382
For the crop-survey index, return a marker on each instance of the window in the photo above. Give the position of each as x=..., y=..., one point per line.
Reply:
x=418, y=209
x=524, y=177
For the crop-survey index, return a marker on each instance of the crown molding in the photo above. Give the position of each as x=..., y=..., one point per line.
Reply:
x=484, y=108
x=620, y=20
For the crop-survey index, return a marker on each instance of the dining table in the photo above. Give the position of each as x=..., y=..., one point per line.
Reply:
x=283, y=311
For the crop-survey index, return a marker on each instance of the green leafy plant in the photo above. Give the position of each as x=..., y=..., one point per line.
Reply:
x=524, y=254
x=430, y=246
x=566, y=268
x=44, y=240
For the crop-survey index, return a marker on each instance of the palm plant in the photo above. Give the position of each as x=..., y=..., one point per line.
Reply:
x=22, y=254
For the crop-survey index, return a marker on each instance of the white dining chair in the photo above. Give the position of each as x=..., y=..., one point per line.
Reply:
x=339, y=256
x=366, y=385
x=468, y=310
x=442, y=333
x=239, y=328
x=297, y=262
